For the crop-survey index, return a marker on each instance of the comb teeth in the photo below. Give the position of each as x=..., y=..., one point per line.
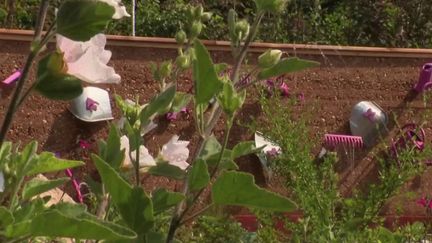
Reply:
x=333, y=140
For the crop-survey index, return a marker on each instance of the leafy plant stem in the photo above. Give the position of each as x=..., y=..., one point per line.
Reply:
x=13, y=106
x=176, y=219
x=41, y=18
x=14, y=102
x=199, y=212
x=136, y=167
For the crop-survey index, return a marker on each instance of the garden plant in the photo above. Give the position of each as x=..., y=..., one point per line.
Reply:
x=118, y=208
x=124, y=211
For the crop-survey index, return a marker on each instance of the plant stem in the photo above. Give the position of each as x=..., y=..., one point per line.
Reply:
x=216, y=113
x=29, y=62
x=41, y=19
x=13, y=104
x=197, y=213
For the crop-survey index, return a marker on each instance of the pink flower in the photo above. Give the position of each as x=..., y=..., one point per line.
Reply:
x=284, y=89
x=84, y=144
x=91, y=105
x=425, y=202
x=370, y=115
x=273, y=152
x=120, y=9
x=301, y=97
x=175, y=152
x=270, y=83
x=171, y=116
x=88, y=60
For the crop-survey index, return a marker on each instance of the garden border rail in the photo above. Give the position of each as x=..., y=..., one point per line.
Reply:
x=257, y=47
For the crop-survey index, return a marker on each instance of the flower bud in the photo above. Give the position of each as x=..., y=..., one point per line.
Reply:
x=271, y=6
x=241, y=29
x=183, y=61
x=165, y=69
x=196, y=29
x=206, y=16
x=198, y=12
x=269, y=58
x=181, y=37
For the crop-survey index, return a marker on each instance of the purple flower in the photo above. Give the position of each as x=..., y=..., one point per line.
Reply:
x=425, y=202
x=301, y=97
x=84, y=144
x=284, y=89
x=370, y=115
x=91, y=105
x=273, y=153
x=171, y=116
x=270, y=83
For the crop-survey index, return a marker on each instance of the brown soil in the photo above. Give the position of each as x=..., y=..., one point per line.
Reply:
x=334, y=88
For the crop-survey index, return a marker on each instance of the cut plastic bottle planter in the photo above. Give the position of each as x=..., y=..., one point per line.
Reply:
x=368, y=120
x=92, y=105
x=270, y=149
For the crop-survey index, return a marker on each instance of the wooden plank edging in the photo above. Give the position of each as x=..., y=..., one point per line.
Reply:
x=256, y=47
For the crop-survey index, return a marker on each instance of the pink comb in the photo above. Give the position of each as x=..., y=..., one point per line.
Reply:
x=334, y=140
x=11, y=79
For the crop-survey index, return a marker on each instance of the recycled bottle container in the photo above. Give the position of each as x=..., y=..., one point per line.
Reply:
x=368, y=121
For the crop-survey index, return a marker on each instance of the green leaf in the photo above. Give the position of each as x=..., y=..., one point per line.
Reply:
x=199, y=176
x=226, y=163
x=112, y=154
x=80, y=20
x=207, y=83
x=244, y=148
x=54, y=223
x=47, y=162
x=6, y=217
x=158, y=104
x=271, y=6
x=37, y=186
x=163, y=200
x=220, y=67
x=26, y=157
x=286, y=65
x=238, y=188
x=5, y=151
x=134, y=205
x=211, y=147
x=167, y=170
x=155, y=237
x=180, y=101
x=230, y=100
x=3, y=14
x=53, y=83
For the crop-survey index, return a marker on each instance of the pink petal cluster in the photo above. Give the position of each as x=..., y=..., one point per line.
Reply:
x=172, y=116
x=370, y=115
x=84, y=144
x=284, y=89
x=91, y=105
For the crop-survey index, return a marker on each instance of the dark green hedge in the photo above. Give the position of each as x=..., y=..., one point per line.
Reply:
x=401, y=23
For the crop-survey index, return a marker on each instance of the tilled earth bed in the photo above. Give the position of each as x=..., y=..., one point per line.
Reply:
x=333, y=89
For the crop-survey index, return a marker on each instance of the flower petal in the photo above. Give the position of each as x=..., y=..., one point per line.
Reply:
x=176, y=152
x=120, y=9
x=87, y=60
x=146, y=160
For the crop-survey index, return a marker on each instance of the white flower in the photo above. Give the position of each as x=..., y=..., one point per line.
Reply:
x=2, y=181
x=145, y=159
x=176, y=152
x=120, y=9
x=88, y=60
